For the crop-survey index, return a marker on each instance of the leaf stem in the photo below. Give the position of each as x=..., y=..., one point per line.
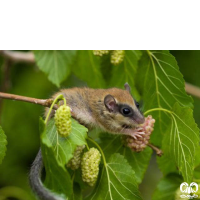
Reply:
x=73, y=176
x=158, y=109
x=103, y=156
x=88, y=148
x=59, y=97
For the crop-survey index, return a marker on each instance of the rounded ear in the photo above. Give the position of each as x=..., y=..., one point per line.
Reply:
x=127, y=87
x=110, y=103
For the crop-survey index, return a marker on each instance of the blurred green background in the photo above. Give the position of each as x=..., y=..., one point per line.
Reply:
x=19, y=120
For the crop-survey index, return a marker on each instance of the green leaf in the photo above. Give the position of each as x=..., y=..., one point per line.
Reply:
x=139, y=161
x=166, y=164
x=126, y=72
x=64, y=147
x=197, y=164
x=57, y=177
x=167, y=187
x=3, y=143
x=117, y=181
x=161, y=85
x=77, y=194
x=87, y=67
x=182, y=141
x=197, y=172
x=106, y=68
x=55, y=64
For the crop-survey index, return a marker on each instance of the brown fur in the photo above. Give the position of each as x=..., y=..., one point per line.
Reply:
x=88, y=108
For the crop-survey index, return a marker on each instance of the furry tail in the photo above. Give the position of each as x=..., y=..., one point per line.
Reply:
x=36, y=183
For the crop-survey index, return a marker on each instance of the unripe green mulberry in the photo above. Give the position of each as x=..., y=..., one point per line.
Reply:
x=63, y=120
x=75, y=162
x=100, y=52
x=178, y=195
x=90, y=166
x=117, y=56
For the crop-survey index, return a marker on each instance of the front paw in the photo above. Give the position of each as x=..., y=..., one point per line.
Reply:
x=139, y=139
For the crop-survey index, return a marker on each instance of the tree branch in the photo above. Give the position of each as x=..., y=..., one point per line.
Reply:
x=16, y=56
x=193, y=90
x=43, y=102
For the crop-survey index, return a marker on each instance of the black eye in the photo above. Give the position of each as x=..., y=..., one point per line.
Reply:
x=137, y=104
x=126, y=111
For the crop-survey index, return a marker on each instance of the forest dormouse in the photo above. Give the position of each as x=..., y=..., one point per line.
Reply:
x=112, y=110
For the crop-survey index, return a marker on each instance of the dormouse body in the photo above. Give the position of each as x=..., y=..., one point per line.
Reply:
x=113, y=110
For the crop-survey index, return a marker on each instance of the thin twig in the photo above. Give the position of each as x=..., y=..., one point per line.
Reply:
x=43, y=102
x=157, y=150
x=193, y=90
x=17, y=56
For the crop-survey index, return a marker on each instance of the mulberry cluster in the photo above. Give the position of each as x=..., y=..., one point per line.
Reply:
x=178, y=195
x=63, y=120
x=181, y=196
x=90, y=166
x=100, y=52
x=117, y=56
x=75, y=162
x=140, y=143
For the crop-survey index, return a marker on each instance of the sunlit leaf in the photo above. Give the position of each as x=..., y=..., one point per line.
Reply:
x=161, y=85
x=56, y=64
x=64, y=147
x=182, y=141
x=138, y=161
x=57, y=178
x=87, y=67
x=117, y=181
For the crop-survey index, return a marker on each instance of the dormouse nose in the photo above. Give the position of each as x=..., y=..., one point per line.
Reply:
x=139, y=119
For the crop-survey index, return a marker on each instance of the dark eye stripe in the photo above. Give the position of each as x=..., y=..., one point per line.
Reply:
x=126, y=110
x=137, y=104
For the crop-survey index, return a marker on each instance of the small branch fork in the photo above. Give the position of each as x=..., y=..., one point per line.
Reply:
x=43, y=102
x=157, y=150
